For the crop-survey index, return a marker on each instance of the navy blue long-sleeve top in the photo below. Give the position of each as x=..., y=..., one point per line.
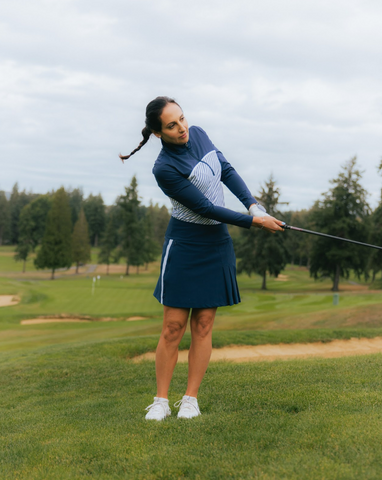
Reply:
x=191, y=175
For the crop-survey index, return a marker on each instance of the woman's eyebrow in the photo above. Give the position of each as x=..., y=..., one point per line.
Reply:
x=173, y=123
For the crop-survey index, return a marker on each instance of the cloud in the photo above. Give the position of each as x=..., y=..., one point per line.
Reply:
x=290, y=88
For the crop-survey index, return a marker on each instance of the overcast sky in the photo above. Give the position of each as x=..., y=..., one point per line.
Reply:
x=291, y=88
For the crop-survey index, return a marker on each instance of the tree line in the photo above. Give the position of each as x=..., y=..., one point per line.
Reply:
x=343, y=211
x=61, y=226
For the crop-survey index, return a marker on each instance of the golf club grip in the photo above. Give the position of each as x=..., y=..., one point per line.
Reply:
x=311, y=232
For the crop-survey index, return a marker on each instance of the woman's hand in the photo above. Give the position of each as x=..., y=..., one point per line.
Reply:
x=268, y=223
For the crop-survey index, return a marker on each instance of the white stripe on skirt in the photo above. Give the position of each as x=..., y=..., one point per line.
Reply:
x=164, y=268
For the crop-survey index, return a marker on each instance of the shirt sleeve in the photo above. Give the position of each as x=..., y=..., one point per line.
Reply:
x=183, y=191
x=235, y=183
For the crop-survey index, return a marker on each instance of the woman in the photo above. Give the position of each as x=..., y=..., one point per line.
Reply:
x=198, y=270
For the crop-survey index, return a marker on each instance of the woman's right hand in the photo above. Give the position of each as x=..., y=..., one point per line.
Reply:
x=268, y=223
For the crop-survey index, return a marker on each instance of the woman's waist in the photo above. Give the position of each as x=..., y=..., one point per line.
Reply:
x=196, y=233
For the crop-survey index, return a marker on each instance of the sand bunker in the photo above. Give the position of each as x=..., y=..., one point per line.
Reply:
x=35, y=321
x=261, y=353
x=282, y=278
x=66, y=318
x=8, y=300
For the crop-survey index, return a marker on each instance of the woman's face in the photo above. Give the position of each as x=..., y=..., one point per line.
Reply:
x=174, y=125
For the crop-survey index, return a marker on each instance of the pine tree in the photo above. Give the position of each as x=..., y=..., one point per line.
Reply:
x=260, y=251
x=94, y=209
x=31, y=227
x=298, y=246
x=25, y=244
x=4, y=217
x=160, y=217
x=17, y=201
x=131, y=229
x=76, y=198
x=81, y=249
x=343, y=213
x=108, y=243
x=56, y=248
x=150, y=246
x=375, y=259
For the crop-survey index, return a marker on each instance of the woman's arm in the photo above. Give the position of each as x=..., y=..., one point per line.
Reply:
x=235, y=183
x=183, y=191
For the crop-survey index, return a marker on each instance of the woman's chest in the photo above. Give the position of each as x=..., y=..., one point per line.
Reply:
x=206, y=173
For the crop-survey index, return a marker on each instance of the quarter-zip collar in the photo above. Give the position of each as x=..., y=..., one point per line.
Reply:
x=177, y=149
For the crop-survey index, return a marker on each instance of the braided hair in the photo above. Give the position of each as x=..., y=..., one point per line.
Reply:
x=153, y=122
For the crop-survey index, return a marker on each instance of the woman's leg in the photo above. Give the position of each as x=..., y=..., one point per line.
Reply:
x=202, y=320
x=174, y=326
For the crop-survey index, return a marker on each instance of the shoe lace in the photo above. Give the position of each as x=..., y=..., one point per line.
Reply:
x=185, y=403
x=156, y=404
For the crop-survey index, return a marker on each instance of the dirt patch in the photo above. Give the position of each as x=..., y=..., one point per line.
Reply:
x=261, y=353
x=35, y=321
x=282, y=278
x=66, y=318
x=8, y=300
x=134, y=319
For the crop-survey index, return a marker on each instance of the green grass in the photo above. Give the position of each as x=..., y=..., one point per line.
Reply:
x=72, y=402
x=296, y=305
x=78, y=412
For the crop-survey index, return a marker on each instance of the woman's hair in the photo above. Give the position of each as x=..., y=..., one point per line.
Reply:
x=153, y=122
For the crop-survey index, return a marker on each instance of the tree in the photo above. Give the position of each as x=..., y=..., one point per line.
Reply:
x=94, y=209
x=150, y=247
x=132, y=232
x=298, y=246
x=32, y=222
x=4, y=217
x=108, y=244
x=160, y=217
x=17, y=201
x=260, y=251
x=56, y=248
x=375, y=259
x=76, y=198
x=81, y=249
x=343, y=213
x=25, y=242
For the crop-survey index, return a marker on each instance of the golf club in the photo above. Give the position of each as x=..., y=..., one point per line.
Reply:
x=289, y=227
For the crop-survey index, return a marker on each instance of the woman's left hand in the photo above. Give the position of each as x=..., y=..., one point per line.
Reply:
x=268, y=223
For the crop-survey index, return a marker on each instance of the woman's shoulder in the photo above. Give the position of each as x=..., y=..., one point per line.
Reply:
x=197, y=131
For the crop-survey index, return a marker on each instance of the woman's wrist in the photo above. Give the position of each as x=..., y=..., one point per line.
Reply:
x=258, y=222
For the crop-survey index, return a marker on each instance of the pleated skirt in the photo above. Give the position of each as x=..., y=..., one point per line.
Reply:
x=198, y=267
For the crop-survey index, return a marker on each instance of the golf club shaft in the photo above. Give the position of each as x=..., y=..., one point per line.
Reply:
x=289, y=227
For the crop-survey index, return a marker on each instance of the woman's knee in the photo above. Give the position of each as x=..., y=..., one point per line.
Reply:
x=174, y=323
x=173, y=331
x=202, y=323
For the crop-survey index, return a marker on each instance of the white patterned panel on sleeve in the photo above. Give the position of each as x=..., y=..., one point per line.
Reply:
x=206, y=177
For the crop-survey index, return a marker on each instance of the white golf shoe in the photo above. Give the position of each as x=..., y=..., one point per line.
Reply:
x=188, y=407
x=158, y=410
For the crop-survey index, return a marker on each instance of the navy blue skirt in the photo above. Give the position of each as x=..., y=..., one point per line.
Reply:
x=198, y=268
